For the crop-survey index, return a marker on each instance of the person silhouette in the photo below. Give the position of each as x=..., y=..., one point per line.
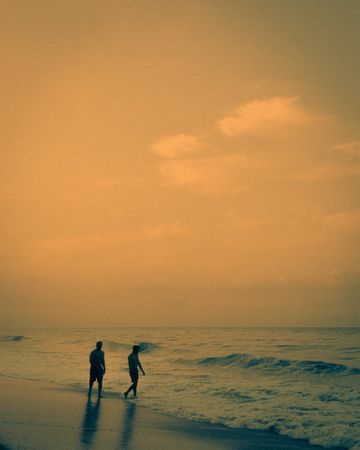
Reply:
x=134, y=363
x=97, y=368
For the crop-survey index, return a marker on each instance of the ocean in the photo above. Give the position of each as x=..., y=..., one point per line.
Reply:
x=299, y=382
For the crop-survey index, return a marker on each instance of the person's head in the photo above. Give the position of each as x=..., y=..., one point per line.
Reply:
x=98, y=345
x=136, y=349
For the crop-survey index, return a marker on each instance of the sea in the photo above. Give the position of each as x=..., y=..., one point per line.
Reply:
x=299, y=382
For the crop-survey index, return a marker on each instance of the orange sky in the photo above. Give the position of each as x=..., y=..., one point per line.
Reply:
x=180, y=163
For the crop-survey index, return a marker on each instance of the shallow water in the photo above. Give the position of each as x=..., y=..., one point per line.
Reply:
x=301, y=382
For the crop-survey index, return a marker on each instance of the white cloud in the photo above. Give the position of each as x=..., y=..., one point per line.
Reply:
x=325, y=172
x=108, y=182
x=349, y=148
x=162, y=231
x=347, y=220
x=116, y=182
x=176, y=146
x=263, y=115
x=41, y=249
x=281, y=139
x=210, y=175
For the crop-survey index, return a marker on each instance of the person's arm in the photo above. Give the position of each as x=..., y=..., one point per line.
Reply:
x=103, y=361
x=139, y=364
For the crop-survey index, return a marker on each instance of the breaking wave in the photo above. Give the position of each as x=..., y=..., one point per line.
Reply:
x=268, y=363
x=9, y=338
x=145, y=347
x=114, y=346
x=148, y=346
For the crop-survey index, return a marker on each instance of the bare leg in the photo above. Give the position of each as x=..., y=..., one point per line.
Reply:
x=135, y=387
x=99, y=388
x=128, y=391
x=134, y=378
x=90, y=387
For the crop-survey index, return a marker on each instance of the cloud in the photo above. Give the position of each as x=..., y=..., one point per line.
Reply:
x=263, y=115
x=111, y=248
x=162, y=230
x=116, y=182
x=144, y=233
x=210, y=175
x=176, y=146
x=329, y=171
x=281, y=140
x=348, y=221
x=349, y=148
x=181, y=173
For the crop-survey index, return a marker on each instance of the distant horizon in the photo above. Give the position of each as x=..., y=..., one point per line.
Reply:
x=175, y=327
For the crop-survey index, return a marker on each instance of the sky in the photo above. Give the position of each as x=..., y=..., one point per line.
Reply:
x=183, y=163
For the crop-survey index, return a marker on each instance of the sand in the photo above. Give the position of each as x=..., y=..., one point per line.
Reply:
x=40, y=416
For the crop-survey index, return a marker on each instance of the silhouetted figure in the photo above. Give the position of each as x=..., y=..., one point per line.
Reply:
x=134, y=363
x=90, y=422
x=97, y=367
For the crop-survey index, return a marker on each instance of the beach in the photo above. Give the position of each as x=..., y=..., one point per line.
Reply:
x=200, y=385
x=41, y=416
x=180, y=178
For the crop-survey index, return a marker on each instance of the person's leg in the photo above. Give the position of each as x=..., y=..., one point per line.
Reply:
x=99, y=386
x=135, y=379
x=91, y=382
x=90, y=387
x=135, y=387
x=129, y=390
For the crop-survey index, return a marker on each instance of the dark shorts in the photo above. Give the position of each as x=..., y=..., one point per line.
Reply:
x=134, y=375
x=96, y=373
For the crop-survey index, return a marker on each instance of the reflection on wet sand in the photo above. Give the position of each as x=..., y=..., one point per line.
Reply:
x=90, y=421
x=128, y=425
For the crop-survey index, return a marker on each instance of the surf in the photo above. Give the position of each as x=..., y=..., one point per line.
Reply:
x=273, y=364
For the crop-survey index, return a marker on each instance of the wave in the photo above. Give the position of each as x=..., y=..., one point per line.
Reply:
x=268, y=363
x=145, y=347
x=148, y=346
x=9, y=338
x=114, y=346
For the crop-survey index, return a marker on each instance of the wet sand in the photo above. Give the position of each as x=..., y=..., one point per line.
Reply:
x=40, y=416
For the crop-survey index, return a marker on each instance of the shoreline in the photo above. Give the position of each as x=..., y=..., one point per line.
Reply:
x=36, y=416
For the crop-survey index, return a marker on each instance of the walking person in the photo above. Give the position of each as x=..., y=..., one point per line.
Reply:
x=97, y=368
x=134, y=363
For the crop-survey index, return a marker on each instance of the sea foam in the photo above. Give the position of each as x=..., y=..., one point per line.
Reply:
x=9, y=338
x=269, y=363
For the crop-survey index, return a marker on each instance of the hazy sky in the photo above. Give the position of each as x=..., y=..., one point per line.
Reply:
x=180, y=162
